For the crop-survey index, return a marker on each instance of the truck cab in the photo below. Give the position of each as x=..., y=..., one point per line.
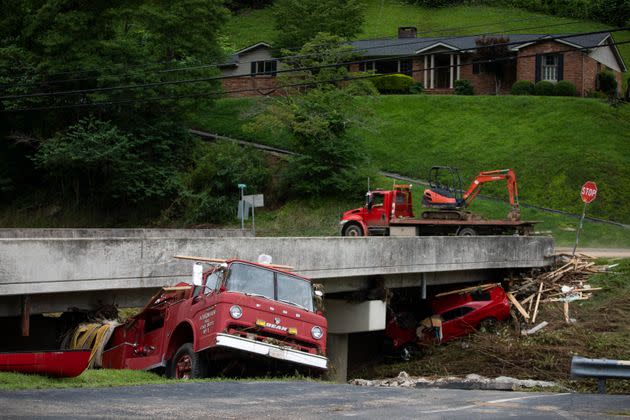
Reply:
x=380, y=207
x=236, y=310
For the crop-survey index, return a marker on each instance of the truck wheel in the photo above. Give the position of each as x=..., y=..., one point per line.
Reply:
x=186, y=364
x=353, y=230
x=467, y=232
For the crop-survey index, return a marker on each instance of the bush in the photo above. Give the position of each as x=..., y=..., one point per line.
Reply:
x=393, y=83
x=435, y=3
x=564, y=88
x=464, y=87
x=523, y=87
x=210, y=191
x=99, y=160
x=595, y=94
x=543, y=88
x=416, y=88
x=607, y=83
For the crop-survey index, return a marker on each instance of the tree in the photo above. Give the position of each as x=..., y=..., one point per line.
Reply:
x=298, y=21
x=62, y=45
x=493, y=52
x=319, y=119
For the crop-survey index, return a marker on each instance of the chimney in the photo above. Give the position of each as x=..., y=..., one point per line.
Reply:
x=407, y=32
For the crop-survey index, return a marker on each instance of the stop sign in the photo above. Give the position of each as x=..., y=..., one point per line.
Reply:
x=589, y=191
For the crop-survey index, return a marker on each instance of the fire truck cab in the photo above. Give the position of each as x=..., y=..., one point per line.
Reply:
x=235, y=310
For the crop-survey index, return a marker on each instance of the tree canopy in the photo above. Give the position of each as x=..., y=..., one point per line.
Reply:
x=299, y=21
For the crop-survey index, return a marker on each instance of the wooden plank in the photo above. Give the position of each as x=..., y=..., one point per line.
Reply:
x=204, y=259
x=469, y=289
x=26, y=315
x=566, y=312
x=517, y=305
x=175, y=288
x=537, y=302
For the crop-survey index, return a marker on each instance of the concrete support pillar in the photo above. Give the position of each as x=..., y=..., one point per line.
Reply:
x=432, y=71
x=426, y=72
x=337, y=349
x=459, y=65
x=423, y=285
x=451, y=70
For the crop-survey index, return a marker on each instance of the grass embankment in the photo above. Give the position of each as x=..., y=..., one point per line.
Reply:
x=103, y=378
x=383, y=17
x=553, y=144
x=602, y=330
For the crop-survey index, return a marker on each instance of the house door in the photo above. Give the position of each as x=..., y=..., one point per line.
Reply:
x=442, y=71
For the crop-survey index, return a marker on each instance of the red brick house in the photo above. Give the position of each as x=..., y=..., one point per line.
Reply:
x=438, y=62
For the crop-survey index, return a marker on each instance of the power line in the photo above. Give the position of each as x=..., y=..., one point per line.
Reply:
x=278, y=50
x=281, y=71
x=300, y=84
x=216, y=65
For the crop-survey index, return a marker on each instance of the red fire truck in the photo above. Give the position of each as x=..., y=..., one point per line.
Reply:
x=234, y=310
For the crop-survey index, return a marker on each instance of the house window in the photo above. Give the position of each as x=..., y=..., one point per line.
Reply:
x=405, y=67
x=367, y=66
x=549, y=70
x=478, y=68
x=266, y=67
x=386, y=66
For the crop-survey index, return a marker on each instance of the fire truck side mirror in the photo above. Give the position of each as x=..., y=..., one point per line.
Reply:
x=369, y=200
x=197, y=277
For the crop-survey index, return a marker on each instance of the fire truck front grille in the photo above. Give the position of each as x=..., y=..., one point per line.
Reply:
x=255, y=333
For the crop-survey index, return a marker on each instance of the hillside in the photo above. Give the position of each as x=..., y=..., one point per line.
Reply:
x=553, y=144
x=382, y=17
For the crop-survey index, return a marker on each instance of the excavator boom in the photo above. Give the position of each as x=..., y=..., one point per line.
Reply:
x=449, y=198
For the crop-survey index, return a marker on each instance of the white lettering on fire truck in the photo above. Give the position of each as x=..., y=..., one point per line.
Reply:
x=206, y=322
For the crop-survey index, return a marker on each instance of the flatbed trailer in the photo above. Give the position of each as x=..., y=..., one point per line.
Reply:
x=426, y=227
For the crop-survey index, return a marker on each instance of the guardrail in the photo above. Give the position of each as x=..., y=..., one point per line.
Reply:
x=602, y=369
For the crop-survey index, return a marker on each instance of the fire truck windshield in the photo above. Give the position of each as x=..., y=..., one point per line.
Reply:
x=258, y=281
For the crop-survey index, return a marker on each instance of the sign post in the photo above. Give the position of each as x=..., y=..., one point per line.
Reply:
x=254, y=200
x=242, y=205
x=588, y=194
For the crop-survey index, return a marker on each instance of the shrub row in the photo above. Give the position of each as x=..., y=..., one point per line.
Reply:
x=613, y=12
x=544, y=88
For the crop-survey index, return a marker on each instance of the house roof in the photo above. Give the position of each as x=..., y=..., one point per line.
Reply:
x=233, y=59
x=409, y=46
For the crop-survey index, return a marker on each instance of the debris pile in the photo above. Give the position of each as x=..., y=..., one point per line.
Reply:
x=472, y=381
x=568, y=282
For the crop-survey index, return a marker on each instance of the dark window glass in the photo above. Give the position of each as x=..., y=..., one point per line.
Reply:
x=406, y=67
x=386, y=67
x=480, y=296
x=250, y=279
x=294, y=290
x=456, y=313
x=269, y=67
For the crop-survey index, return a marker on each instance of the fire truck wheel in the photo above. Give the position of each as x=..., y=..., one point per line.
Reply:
x=467, y=232
x=353, y=230
x=186, y=364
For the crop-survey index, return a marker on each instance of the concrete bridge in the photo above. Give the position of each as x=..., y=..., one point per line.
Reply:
x=85, y=270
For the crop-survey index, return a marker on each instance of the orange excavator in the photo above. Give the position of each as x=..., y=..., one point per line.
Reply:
x=445, y=193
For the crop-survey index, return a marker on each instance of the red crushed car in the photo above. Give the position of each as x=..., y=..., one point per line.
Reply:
x=454, y=315
x=462, y=314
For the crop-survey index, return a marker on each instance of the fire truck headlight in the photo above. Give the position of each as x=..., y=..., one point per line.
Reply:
x=236, y=312
x=317, y=333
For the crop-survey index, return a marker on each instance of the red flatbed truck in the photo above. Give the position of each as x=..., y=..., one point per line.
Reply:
x=236, y=310
x=390, y=213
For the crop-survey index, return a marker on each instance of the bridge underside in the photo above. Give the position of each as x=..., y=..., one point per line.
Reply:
x=43, y=275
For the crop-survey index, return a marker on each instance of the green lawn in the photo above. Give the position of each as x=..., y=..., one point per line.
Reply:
x=383, y=17
x=99, y=378
x=553, y=144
